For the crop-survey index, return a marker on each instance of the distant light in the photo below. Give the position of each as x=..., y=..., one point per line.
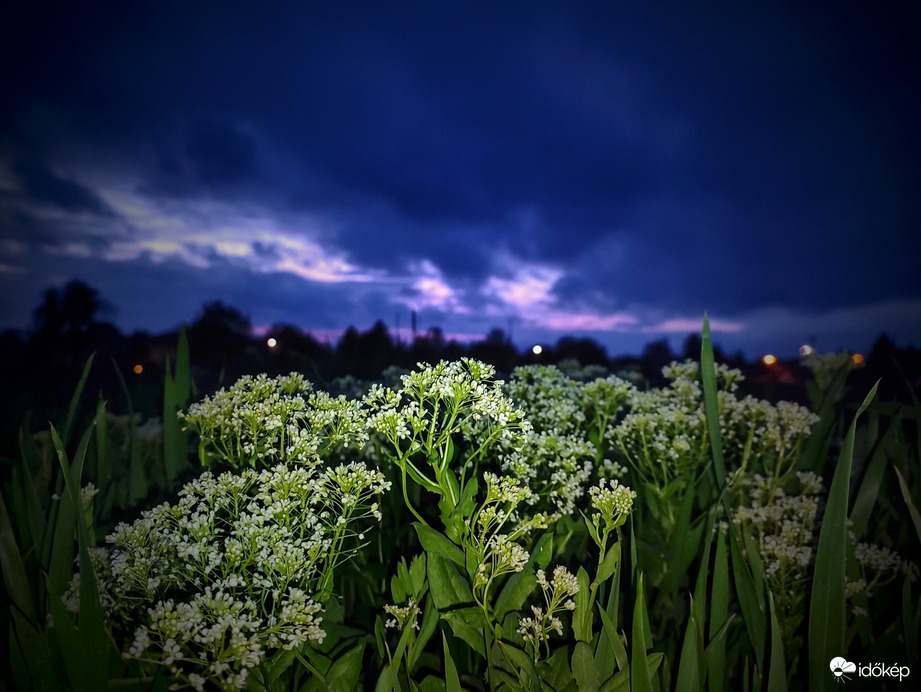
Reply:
x=537, y=350
x=769, y=359
x=271, y=342
x=137, y=369
x=857, y=358
x=806, y=350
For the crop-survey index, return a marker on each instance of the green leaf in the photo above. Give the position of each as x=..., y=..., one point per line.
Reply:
x=522, y=661
x=556, y=670
x=777, y=670
x=827, y=623
x=343, y=675
x=176, y=393
x=14, y=571
x=426, y=630
x=691, y=662
x=91, y=616
x=468, y=624
x=448, y=587
x=614, y=639
x=815, y=453
x=388, y=679
x=35, y=652
x=608, y=566
x=439, y=544
x=515, y=592
x=103, y=461
x=417, y=576
x=583, y=668
x=711, y=403
x=752, y=606
x=452, y=681
x=719, y=614
x=137, y=481
x=75, y=399
x=582, y=615
x=640, y=678
x=872, y=481
x=433, y=684
x=912, y=510
x=77, y=661
x=543, y=551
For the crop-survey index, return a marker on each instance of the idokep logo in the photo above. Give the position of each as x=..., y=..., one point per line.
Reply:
x=840, y=667
x=843, y=669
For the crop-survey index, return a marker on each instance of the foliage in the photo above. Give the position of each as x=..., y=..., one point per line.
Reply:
x=444, y=530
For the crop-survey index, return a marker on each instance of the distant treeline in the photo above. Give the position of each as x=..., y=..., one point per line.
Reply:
x=40, y=368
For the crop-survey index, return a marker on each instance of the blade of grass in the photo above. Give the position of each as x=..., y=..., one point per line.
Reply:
x=817, y=446
x=75, y=399
x=751, y=602
x=103, y=475
x=35, y=652
x=14, y=572
x=640, y=678
x=827, y=625
x=176, y=393
x=91, y=617
x=777, y=669
x=711, y=403
x=719, y=613
x=912, y=509
x=137, y=481
x=752, y=605
x=872, y=481
x=690, y=664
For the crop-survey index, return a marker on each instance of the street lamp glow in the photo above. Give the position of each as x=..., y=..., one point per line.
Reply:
x=806, y=350
x=769, y=359
x=271, y=342
x=537, y=350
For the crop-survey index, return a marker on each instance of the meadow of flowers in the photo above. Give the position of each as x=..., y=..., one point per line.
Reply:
x=443, y=529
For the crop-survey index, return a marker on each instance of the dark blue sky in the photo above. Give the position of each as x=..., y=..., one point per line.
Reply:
x=603, y=169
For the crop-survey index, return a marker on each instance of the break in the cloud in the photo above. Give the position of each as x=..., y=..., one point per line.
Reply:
x=601, y=170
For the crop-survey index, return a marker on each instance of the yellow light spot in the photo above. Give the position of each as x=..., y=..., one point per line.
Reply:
x=857, y=358
x=806, y=350
x=137, y=369
x=271, y=342
x=769, y=359
x=537, y=350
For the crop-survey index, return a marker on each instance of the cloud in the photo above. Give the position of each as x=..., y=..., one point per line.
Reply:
x=43, y=186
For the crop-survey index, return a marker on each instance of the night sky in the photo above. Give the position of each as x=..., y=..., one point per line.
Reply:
x=601, y=169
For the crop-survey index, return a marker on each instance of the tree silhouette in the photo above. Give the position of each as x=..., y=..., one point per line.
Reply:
x=220, y=334
x=71, y=309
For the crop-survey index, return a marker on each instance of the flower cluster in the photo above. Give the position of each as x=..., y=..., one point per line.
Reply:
x=557, y=593
x=765, y=437
x=569, y=417
x=261, y=421
x=664, y=436
x=493, y=532
x=556, y=467
x=784, y=526
x=404, y=616
x=613, y=501
x=233, y=571
x=878, y=565
x=442, y=425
